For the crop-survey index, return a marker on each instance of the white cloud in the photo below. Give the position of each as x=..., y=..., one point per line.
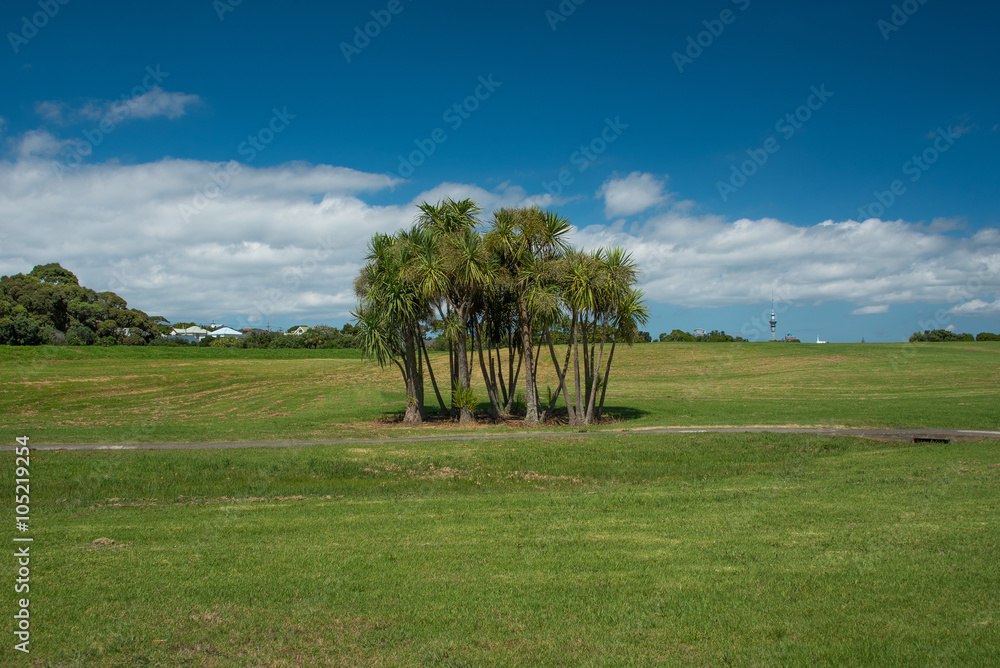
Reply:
x=150, y=104
x=870, y=310
x=634, y=194
x=707, y=261
x=52, y=111
x=277, y=243
x=976, y=307
x=156, y=102
x=285, y=242
x=38, y=144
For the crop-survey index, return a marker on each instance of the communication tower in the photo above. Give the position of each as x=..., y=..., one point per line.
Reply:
x=773, y=321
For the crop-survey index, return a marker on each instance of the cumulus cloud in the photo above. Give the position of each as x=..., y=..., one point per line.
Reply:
x=37, y=144
x=633, y=194
x=276, y=243
x=156, y=102
x=870, y=310
x=285, y=242
x=976, y=307
x=709, y=261
x=149, y=104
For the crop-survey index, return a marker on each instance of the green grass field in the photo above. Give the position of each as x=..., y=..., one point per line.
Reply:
x=615, y=549
x=119, y=395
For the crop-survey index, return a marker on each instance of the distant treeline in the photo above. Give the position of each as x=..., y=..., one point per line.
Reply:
x=678, y=336
x=938, y=335
x=321, y=336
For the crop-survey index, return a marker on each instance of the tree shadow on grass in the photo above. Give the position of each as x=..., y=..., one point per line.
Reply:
x=482, y=416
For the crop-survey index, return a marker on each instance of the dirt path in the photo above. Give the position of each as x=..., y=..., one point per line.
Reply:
x=895, y=435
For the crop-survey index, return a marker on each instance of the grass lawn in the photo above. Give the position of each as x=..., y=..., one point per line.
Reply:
x=118, y=395
x=700, y=549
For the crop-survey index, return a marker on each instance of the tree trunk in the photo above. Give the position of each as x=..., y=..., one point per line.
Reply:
x=586, y=373
x=430, y=371
x=513, y=381
x=596, y=375
x=464, y=381
x=491, y=390
x=414, y=385
x=562, y=382
x=530, y=395
x=607, y=372
x=574, y=342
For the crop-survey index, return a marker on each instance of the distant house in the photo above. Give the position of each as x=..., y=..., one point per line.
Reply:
x=298, y=331
x=226, y=331
x=193, y=333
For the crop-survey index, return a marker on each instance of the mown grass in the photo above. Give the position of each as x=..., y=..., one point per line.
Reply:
x=120, y=395
x=597, y=550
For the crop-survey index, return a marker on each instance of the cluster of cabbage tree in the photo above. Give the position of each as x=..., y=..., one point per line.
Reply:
x=496, y=292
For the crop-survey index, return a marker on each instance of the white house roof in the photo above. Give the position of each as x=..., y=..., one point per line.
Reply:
x=226, y=331
x=181, y=331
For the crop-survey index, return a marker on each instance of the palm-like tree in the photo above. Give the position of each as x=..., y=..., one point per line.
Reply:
x=453, y=273
x=526, y=241
x=630, y=313
x=598, y=292
x=505, y=287
x=389, y=315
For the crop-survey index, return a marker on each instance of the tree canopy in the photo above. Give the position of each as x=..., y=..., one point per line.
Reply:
x=48, y=305
x=497, y=293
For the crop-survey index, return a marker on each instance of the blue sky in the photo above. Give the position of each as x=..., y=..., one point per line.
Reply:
x=223, y=160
